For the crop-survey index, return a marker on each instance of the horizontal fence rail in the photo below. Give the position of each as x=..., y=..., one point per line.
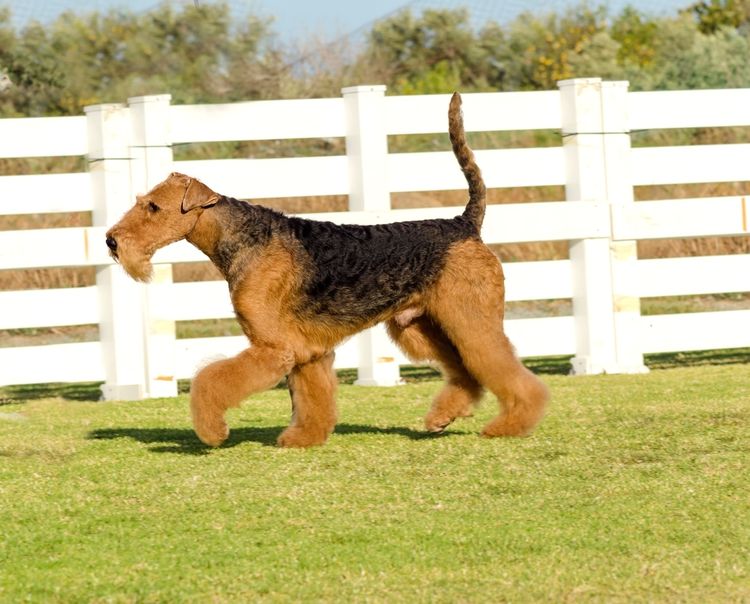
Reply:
x=46, y=194
x=687, y=109
x=43, y=137
x=681, y=218
x=129, y=149
x=689, y=165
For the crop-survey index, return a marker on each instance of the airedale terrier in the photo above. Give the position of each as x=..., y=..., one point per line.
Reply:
x=299, y=287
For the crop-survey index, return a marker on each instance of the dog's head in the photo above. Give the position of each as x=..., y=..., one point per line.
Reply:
x=167, y=213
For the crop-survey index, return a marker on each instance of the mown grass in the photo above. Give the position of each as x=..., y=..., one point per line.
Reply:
x=634, y=488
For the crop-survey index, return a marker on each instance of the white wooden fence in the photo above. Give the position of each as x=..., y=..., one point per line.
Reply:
x=129, y=149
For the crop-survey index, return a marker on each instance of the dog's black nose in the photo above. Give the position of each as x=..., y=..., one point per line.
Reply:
x=112, y=244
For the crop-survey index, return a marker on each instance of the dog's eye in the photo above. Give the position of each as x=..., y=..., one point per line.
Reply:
x=152, y=207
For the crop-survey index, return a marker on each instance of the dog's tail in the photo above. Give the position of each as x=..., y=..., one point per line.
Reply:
x=477, y=191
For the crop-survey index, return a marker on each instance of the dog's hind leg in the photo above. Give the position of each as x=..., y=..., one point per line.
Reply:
x=521, y=395
x=223, y=384
x=423, y=340
x=313, y=390
x=467, y=302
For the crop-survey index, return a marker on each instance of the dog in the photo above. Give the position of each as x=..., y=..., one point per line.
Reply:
x=300, y=287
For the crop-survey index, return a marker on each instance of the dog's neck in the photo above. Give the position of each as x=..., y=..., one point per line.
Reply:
x=227, y=232
x=206, y=232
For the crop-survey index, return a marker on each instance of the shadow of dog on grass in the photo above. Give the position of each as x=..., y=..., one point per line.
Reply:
x=175, y=440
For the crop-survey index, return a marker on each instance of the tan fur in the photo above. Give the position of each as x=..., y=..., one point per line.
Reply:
x=424, y=340
x=313, y=390
x=473, y=321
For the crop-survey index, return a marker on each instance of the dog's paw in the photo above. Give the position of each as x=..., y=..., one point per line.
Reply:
x=294, y=436
x=213, y=434
x=437, y=422
x=506, y=426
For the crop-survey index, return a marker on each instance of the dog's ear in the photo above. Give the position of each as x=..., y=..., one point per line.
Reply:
x=197, y=195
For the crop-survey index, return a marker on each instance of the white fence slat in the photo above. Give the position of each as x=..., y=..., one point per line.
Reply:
x=258, y=120
x=271, y=178
x=545, y=221
x=540, y=280
x=407, y=172
x=76, y=362
x=43, y=136
x=681, y=218
x=348, y=356
x=696, y=331
x=689, y=108
x=46, y=193
x=192, y=354
x=49, y=307
x=423, y=114
x=543, y=336
x=367, y=217
x=181, y=251
x=690, y=164
x=439, y=171
x=190, y=301
x=37, y=248
x=691, y=276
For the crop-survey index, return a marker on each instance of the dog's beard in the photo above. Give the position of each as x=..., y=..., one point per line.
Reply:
x=138, y=266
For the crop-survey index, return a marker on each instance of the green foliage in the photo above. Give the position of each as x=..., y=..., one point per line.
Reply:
x=636, y=36
x=441, y=77
x=205, y=54
x=686, y=59
x=34, y=69
x=633, y=489
x=196, y=53
x=713, y=15
x=537, y=52
x=598, y=58
x=437, y=51
x=430, y=53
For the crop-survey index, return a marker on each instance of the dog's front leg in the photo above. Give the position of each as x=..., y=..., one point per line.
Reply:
x=313, y=390
x=223, y=384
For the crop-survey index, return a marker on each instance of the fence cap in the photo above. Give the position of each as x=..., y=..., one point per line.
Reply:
x=103, y=107
x=366, y=88
x=151, y=98
x=578, y=82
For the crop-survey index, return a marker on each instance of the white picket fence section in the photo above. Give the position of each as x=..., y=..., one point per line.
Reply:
x=129, y=149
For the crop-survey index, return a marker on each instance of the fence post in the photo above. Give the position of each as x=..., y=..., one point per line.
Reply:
x=367, y=152
x=623, y=254
x=151, y=153
x=121, y=299
x=596, y=143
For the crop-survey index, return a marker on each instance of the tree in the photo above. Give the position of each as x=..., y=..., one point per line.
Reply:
x=32, y=66
x=685, y=58
x=535, y=52
x=196, y=53
x=636, y=36
x=436, y=51
x=205, y=54
x=714, y=15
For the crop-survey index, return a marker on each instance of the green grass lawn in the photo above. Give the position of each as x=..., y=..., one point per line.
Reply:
x=633, y=489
